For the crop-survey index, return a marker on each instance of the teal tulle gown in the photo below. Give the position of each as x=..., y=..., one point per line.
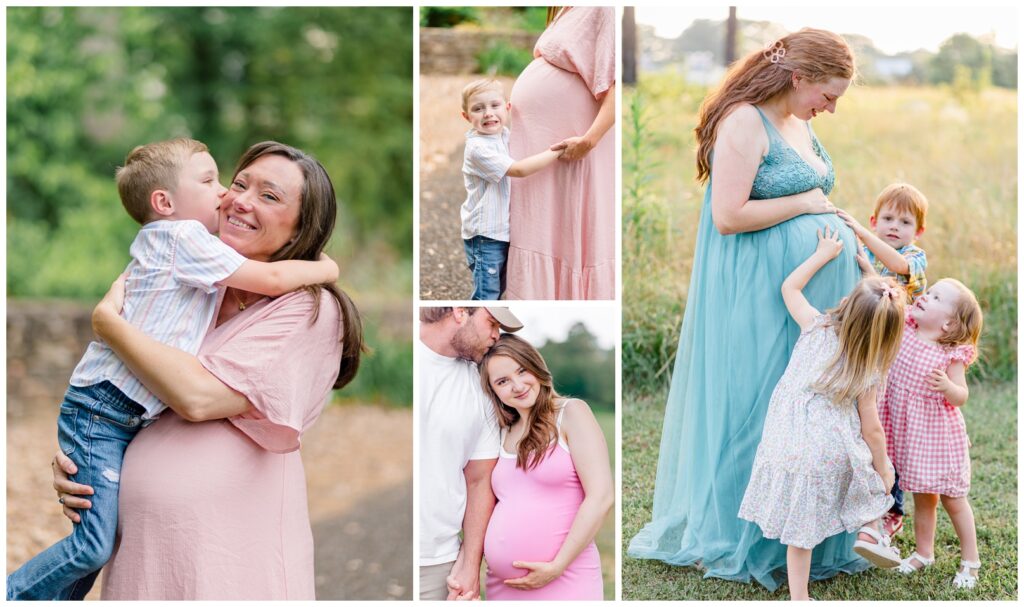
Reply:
x=735, y=343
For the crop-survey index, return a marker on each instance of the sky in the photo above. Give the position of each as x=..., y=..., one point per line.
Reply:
x=892, y=29
x=550, y=322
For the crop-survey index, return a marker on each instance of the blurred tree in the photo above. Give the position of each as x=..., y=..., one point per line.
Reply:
x=447, y=16
x=85, y=85
x=968, y=53
x=582, y=369
x=629, y=45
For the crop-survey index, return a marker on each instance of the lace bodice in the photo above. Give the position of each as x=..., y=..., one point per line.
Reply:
x=784, y=172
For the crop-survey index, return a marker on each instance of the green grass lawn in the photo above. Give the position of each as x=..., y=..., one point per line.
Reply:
x=992, y=421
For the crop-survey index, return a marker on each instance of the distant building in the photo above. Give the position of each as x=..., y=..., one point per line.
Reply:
x=701, y=67
x=893, y=68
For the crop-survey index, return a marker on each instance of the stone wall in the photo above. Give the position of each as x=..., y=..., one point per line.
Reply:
x=454, y=51
x=45, y=339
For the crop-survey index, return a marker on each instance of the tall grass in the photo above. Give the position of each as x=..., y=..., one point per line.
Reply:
x=961, y=151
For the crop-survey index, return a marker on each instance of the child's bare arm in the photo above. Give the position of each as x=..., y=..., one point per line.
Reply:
x=531, y=164
x=952, y=382
x=279, y=277
x=883, y=251
x=829, y=246
x=874, y=435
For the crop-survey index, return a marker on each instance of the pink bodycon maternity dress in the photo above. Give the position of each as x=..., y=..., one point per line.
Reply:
x=535, y=510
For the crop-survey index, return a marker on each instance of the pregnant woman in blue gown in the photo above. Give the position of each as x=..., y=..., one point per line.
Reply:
x=766, y=199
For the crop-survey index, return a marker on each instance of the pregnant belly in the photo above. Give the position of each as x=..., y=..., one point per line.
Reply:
x=522, y=532
x=551, y=103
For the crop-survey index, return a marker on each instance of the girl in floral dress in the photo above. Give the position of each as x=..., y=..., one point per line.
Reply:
x=821, y=468
x=924, y=428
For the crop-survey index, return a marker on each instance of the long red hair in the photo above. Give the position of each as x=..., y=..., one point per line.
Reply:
x=812, y=53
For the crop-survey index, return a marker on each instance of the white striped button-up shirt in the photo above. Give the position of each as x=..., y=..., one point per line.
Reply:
x=170, y=294
x=485, y=162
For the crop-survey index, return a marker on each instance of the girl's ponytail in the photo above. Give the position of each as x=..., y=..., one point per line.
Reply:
x=869, y=323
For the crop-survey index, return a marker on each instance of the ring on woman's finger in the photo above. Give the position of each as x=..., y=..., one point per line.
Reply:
x=60, y=500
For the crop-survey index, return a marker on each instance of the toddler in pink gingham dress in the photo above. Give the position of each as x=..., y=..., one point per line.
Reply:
x=925, y=432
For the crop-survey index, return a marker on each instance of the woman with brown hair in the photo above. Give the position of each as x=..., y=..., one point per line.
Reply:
x=768, y=179
x=213, y=493
x=553, y=483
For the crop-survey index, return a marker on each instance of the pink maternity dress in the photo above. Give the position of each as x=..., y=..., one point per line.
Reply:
x=562, y=219
x=533, y=515
x=217, y=510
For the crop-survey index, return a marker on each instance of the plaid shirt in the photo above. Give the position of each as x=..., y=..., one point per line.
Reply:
x=915, y=282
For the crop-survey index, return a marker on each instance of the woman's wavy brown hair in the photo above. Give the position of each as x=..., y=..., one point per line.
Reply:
x=541, y=429
x=552, y=14
x=812, y=53
x=317, y=212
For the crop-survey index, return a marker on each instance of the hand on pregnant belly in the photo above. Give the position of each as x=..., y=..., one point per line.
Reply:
x=540, y=574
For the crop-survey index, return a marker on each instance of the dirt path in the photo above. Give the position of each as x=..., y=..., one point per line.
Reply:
x=358, y=462
x=443, y=272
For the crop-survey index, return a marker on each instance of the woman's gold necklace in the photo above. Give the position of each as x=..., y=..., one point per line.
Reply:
x=241, y=304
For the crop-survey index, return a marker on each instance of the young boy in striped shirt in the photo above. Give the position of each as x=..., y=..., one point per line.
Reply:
x=486, y=169
x=172, y=189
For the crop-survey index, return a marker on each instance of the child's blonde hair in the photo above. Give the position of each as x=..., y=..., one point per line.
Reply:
x=903, y=198
x=477, y=86
x=154, y=166
x=869, y=323
x=967, y=318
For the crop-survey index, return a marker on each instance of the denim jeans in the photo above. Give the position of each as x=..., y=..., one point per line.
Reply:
x=96, y=424
x=486, y=258
x=897, y=495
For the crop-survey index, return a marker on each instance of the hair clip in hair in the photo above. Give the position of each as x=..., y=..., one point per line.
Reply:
x=890, y=292
x=775, y=52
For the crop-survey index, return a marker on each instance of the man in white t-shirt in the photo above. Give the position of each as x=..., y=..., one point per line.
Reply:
x=458, y=446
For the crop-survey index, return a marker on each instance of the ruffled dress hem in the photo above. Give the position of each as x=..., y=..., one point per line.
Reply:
x=551, y=278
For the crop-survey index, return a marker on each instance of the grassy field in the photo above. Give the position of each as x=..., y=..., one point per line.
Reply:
x=961, y=151
x=606, y=535
x=992, y=421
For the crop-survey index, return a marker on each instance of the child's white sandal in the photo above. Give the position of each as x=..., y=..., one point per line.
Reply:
x=880, y=554
x=907, y=568
x=963, y=578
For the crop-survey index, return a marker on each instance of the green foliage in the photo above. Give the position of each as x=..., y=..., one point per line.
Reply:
x=448, y=16
x=503, y=59
x=385, y=373
x=582, y=369
x=534, y=18
x=87, y=84
x=956, y=152
x=997, y=294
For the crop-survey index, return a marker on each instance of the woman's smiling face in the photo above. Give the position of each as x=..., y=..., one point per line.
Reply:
x=513, y=384
x=260, y=211
x=808, y=99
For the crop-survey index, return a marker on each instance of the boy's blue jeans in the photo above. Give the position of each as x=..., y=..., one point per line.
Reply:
x=96, y=424
x=486, y=258
x=897, y=495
